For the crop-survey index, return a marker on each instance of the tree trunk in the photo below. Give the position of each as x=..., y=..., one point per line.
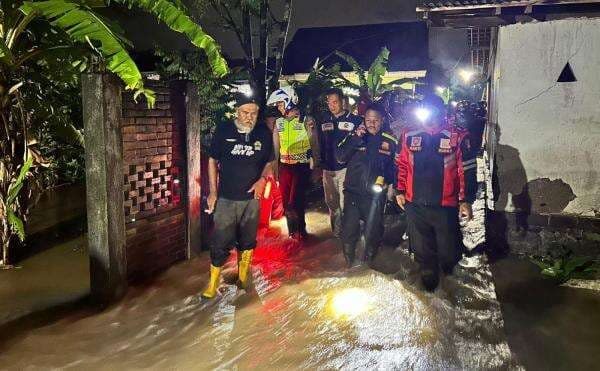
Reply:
x=280, y=47
x=263, y=61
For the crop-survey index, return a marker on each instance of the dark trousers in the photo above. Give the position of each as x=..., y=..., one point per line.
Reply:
x=434, y=236
x=236, y=224
x=369, y=209
x=294, y=181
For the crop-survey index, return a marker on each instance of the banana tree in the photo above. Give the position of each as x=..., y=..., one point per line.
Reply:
x=58, y=37
x=371, y=82
x=311, y=92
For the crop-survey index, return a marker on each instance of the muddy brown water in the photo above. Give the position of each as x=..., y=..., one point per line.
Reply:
x=304, y=311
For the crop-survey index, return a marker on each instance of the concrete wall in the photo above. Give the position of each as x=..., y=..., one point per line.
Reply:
x=548, y=153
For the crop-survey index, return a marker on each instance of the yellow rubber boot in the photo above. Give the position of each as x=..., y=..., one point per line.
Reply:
x=213, y=284
x=244, y=267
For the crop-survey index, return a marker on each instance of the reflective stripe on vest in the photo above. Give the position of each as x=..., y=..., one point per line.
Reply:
x=294, y=145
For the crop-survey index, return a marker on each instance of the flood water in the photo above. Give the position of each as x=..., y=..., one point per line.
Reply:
x=304, y=311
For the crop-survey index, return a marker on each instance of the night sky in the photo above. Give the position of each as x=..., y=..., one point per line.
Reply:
x=306, y=13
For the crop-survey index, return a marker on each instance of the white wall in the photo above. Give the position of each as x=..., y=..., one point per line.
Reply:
x=552, y=128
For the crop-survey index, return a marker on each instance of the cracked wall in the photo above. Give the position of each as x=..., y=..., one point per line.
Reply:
x=548, y=153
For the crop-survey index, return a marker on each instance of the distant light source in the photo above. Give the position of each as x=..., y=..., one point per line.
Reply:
x=350, y=302
x=176, y=181
x=466, y=75
x=422, y=114
x=440, y=89
x=454, y=103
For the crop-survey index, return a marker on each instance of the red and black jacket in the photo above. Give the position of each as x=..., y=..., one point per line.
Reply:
x=437, y=167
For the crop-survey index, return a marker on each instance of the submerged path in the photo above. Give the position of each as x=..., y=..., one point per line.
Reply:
x=304, y=311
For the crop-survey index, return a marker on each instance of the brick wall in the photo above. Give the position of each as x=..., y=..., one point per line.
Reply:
x=153, y=164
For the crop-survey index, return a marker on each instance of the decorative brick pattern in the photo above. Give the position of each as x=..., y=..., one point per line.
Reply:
x=153, y=160
x=155, y=243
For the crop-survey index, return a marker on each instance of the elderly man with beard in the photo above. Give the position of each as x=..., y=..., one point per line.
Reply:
x=238, y=168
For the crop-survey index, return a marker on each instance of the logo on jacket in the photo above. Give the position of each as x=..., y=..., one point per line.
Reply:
x=445, y=145
x=257, y=145
x=416, y=144
x=328, y=126
x=385, y=148
x=345, y=125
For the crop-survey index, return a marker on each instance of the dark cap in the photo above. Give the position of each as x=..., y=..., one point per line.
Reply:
x=241, y=99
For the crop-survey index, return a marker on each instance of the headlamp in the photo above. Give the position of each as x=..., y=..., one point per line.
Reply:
x=378, y=186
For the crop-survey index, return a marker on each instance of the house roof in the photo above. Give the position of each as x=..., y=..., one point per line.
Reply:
x=485, y=13
x=407, y=42
x=469, y=4
x=429, y=4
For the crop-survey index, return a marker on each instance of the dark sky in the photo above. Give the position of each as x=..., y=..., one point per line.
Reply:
x=306, y=13
x=321, y=13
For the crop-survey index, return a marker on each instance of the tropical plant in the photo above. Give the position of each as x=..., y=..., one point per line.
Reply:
x=44, y=45
x=216, y=93
x=254, y=24
x=311, y=92
x=371, y=80
x=566, y=267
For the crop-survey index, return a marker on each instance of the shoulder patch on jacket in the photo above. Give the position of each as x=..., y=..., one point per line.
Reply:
x=390, y=137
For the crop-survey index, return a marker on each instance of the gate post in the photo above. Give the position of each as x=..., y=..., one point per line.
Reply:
x=101, y=95
x=194, y=180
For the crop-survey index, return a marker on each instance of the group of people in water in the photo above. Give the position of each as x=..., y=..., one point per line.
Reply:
x=427, y=165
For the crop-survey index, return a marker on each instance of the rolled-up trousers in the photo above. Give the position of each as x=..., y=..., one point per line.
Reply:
x=236, y=224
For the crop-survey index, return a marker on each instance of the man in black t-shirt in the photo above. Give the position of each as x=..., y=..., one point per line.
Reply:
x=240, y=157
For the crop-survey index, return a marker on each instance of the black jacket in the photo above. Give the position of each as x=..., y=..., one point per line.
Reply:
x=367, y=157
x=331, y=131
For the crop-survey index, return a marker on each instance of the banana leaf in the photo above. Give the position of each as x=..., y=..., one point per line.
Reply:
x=85, y=26
x=176, y=19
x=356, y=67
x=376, y=71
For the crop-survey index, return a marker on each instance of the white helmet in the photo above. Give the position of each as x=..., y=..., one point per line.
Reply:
x=284, y=94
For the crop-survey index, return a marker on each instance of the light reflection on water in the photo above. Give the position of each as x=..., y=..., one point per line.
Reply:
x=286, y=321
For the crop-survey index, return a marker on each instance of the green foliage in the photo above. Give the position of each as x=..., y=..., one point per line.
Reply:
x=16, y=225
x=371, y=81
x=85, y=26
x=360, y=72
x=177, y=20
x=215, y=92
x=566, y=267
x=44, y=47
x=14, y=188
x=311, y=93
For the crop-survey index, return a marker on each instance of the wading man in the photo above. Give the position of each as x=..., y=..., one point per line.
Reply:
x=238, y=168
x=436, y=183
x=331, y=130
x=370, y=154
x=292, y=145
